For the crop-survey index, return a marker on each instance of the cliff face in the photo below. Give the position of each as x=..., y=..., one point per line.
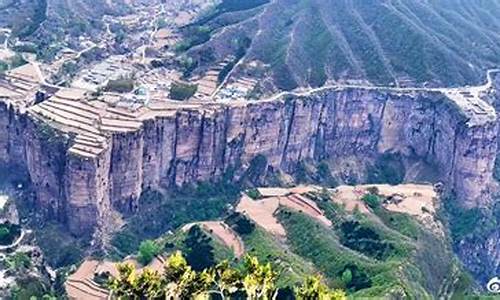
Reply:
x=481, y=254
x=190, y=144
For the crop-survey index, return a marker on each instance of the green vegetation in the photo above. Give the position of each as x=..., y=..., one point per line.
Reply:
x=291, y=266
x=9, y=233
x=465, y=222
x=256, y=171
x=199, y=250
x=231, y=6
x=388, y=168
x=241, y=45
x=182, y=91
x=240, y=223
x=19, y=261
x=378, y=261
x=60, y=248
x=365, y=240
x=30, y=287
x=194, y=35
x=35, y=21
x=124, y=85
x=401, y=222
x=324, y=175
x=308, y=42
x=3, y=66
x=253, y=280
x=160, y=213
x=254, y=194
x=187, y=65
x=372, y=200
x=148, y=249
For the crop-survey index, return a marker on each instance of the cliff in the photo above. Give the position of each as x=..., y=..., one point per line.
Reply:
x=84, y=157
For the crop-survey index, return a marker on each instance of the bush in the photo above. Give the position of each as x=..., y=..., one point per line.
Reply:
x=400, y=222
x=19, y=261
x=240, y=223
x=182, y=91
x=464, y=222
x=147, y=251
x=120, y=85
x=160, y=213
x=8, y=233
x=199, y=251
x=373, y=201
x=60, y=248
x=365, y=240
x=254, y=194
x=325, y=175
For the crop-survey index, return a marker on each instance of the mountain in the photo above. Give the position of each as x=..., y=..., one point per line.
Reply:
x=368, y=247
x=384, y=42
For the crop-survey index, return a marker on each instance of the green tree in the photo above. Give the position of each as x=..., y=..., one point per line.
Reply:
x=313, y=289
x=199, y=253
x=347, y=276
x=147, y=251
x=179, y=281
x=18, y=261
x=131, y=285
x=373, y=201
x=260, y=280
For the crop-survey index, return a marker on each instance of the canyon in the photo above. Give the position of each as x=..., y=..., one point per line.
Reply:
x=87, y=157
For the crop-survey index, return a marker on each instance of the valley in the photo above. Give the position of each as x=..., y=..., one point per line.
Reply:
x=188, y=125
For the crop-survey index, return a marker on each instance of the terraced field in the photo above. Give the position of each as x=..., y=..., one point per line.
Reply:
x=398, y=42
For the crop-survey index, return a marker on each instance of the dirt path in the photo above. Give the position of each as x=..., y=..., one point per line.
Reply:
x=262, y=213
x=226, y=235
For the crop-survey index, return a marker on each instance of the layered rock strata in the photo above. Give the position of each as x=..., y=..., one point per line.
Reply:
x=84, y=155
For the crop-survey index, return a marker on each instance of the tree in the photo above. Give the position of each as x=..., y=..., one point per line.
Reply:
x=200, y=253
x=371, y=200
x=182, y=91
x=313, y=289
x=147, y=251
x=260, y=280
x=179, y=281
x=130, y=285
x=347, y=276
x=18, y=261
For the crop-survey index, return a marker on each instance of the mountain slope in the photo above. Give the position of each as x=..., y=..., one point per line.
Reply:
x=406, y=42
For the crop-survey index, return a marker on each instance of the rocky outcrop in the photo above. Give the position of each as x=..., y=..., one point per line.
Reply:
x=200, y=142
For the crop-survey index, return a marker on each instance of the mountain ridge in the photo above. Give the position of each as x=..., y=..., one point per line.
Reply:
x=392, y=42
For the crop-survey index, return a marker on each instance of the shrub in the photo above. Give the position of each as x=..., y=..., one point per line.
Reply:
x=254, y=194
x=147, y=251
x=120, y=85
x=240, y=223
x=182, y=91
x=373, y=201
x=8, y=233
x=365, y=240
x=199, y=253
x=19, y=261
x=325, y=175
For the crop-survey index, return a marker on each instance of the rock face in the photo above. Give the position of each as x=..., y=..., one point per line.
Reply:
x=201, y=142
x=481, y=254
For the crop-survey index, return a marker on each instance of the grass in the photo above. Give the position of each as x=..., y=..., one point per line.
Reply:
x=400, y=222
x=413, y=270
x=160, y=213
x=292, y=268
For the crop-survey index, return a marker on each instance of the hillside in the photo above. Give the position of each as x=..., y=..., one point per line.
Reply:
x=371, y=241
x=390, y=42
